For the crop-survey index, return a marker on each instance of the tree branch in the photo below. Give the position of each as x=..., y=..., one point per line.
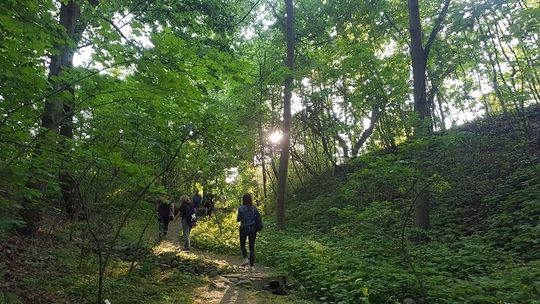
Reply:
x=247, y=14
x=399, y=31
x=436, y=27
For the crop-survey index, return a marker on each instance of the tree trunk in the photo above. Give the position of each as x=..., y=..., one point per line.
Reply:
x=375, y=114
x=285, y=141
x=262, y=141
x=54, y=107
x=58, y=112
x=421, y=210
x=419, y=56
x=441, y=110
x=419, y=60
x=494, y=80
x=262, y=156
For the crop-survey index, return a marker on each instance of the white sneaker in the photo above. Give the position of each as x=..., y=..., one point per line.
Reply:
x=245, y=262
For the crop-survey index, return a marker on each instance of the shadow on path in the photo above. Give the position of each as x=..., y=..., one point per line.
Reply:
x=234, y=288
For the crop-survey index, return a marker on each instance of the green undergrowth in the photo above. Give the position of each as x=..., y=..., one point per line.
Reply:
x=164, y=274
x=63, y=275
x=218, y=233
x=352, y=239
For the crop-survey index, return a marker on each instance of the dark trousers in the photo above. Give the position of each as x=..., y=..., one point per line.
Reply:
x=163, y=225
x=209, y=209
x=249, y=233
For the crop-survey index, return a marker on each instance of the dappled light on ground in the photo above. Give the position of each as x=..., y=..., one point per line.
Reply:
x=227, y=281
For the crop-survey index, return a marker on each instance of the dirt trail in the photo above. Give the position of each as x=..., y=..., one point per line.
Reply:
x=238, y=287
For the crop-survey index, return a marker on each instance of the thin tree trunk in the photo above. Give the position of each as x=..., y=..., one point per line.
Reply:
x=375, y=114
x=478, y=76
x=494, y=80
x=295, y=167
x=499, y=68
x=259, y=125
x=341, y=142
x=419, y=56
x=534, y=79
x=317, y=128
x=273, y=178
x=299, y=159
x=441, y=111
x=285, y=141
x=262, y=157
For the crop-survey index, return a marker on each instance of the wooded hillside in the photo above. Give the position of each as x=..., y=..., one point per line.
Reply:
x=392, y=146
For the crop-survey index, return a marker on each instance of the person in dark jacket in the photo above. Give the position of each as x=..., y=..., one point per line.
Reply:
x=247, y=216
x=209, y=203
x=197, y=200
x=186, y=212
x=165, y=212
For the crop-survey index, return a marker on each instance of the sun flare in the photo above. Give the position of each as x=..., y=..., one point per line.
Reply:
x=276, y=137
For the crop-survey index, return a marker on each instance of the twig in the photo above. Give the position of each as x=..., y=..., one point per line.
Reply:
x=404, y=250
x=218, y=222
x=135, y=261
x=138, y=199
x=247, y=14
x=54, y=92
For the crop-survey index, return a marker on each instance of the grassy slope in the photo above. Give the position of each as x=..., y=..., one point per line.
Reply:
x=344, y=240
x=485, y=241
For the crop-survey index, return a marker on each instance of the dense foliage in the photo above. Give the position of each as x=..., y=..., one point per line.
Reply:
x=108, y=106
x=350, y=238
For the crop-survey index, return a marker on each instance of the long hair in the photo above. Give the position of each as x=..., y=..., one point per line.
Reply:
x=247, y=200
x=184, y=199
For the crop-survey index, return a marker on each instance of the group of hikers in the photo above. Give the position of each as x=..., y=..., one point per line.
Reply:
x=190, y=209
x=208, y=202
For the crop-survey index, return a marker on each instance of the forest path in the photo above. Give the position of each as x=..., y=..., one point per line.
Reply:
x=241, y=286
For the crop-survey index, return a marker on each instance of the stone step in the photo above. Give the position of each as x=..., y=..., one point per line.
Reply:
x=272, y=282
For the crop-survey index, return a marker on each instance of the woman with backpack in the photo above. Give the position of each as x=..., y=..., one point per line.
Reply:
x=189, y=218
x=165, y=213
x=250, y=222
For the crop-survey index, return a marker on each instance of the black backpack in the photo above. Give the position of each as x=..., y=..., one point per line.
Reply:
x=258, y=221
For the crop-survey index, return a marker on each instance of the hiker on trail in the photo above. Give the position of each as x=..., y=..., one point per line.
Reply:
x=197, y=200
x=189, y=218
x=250, y=222
x=165, y=212
x=209, y=203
